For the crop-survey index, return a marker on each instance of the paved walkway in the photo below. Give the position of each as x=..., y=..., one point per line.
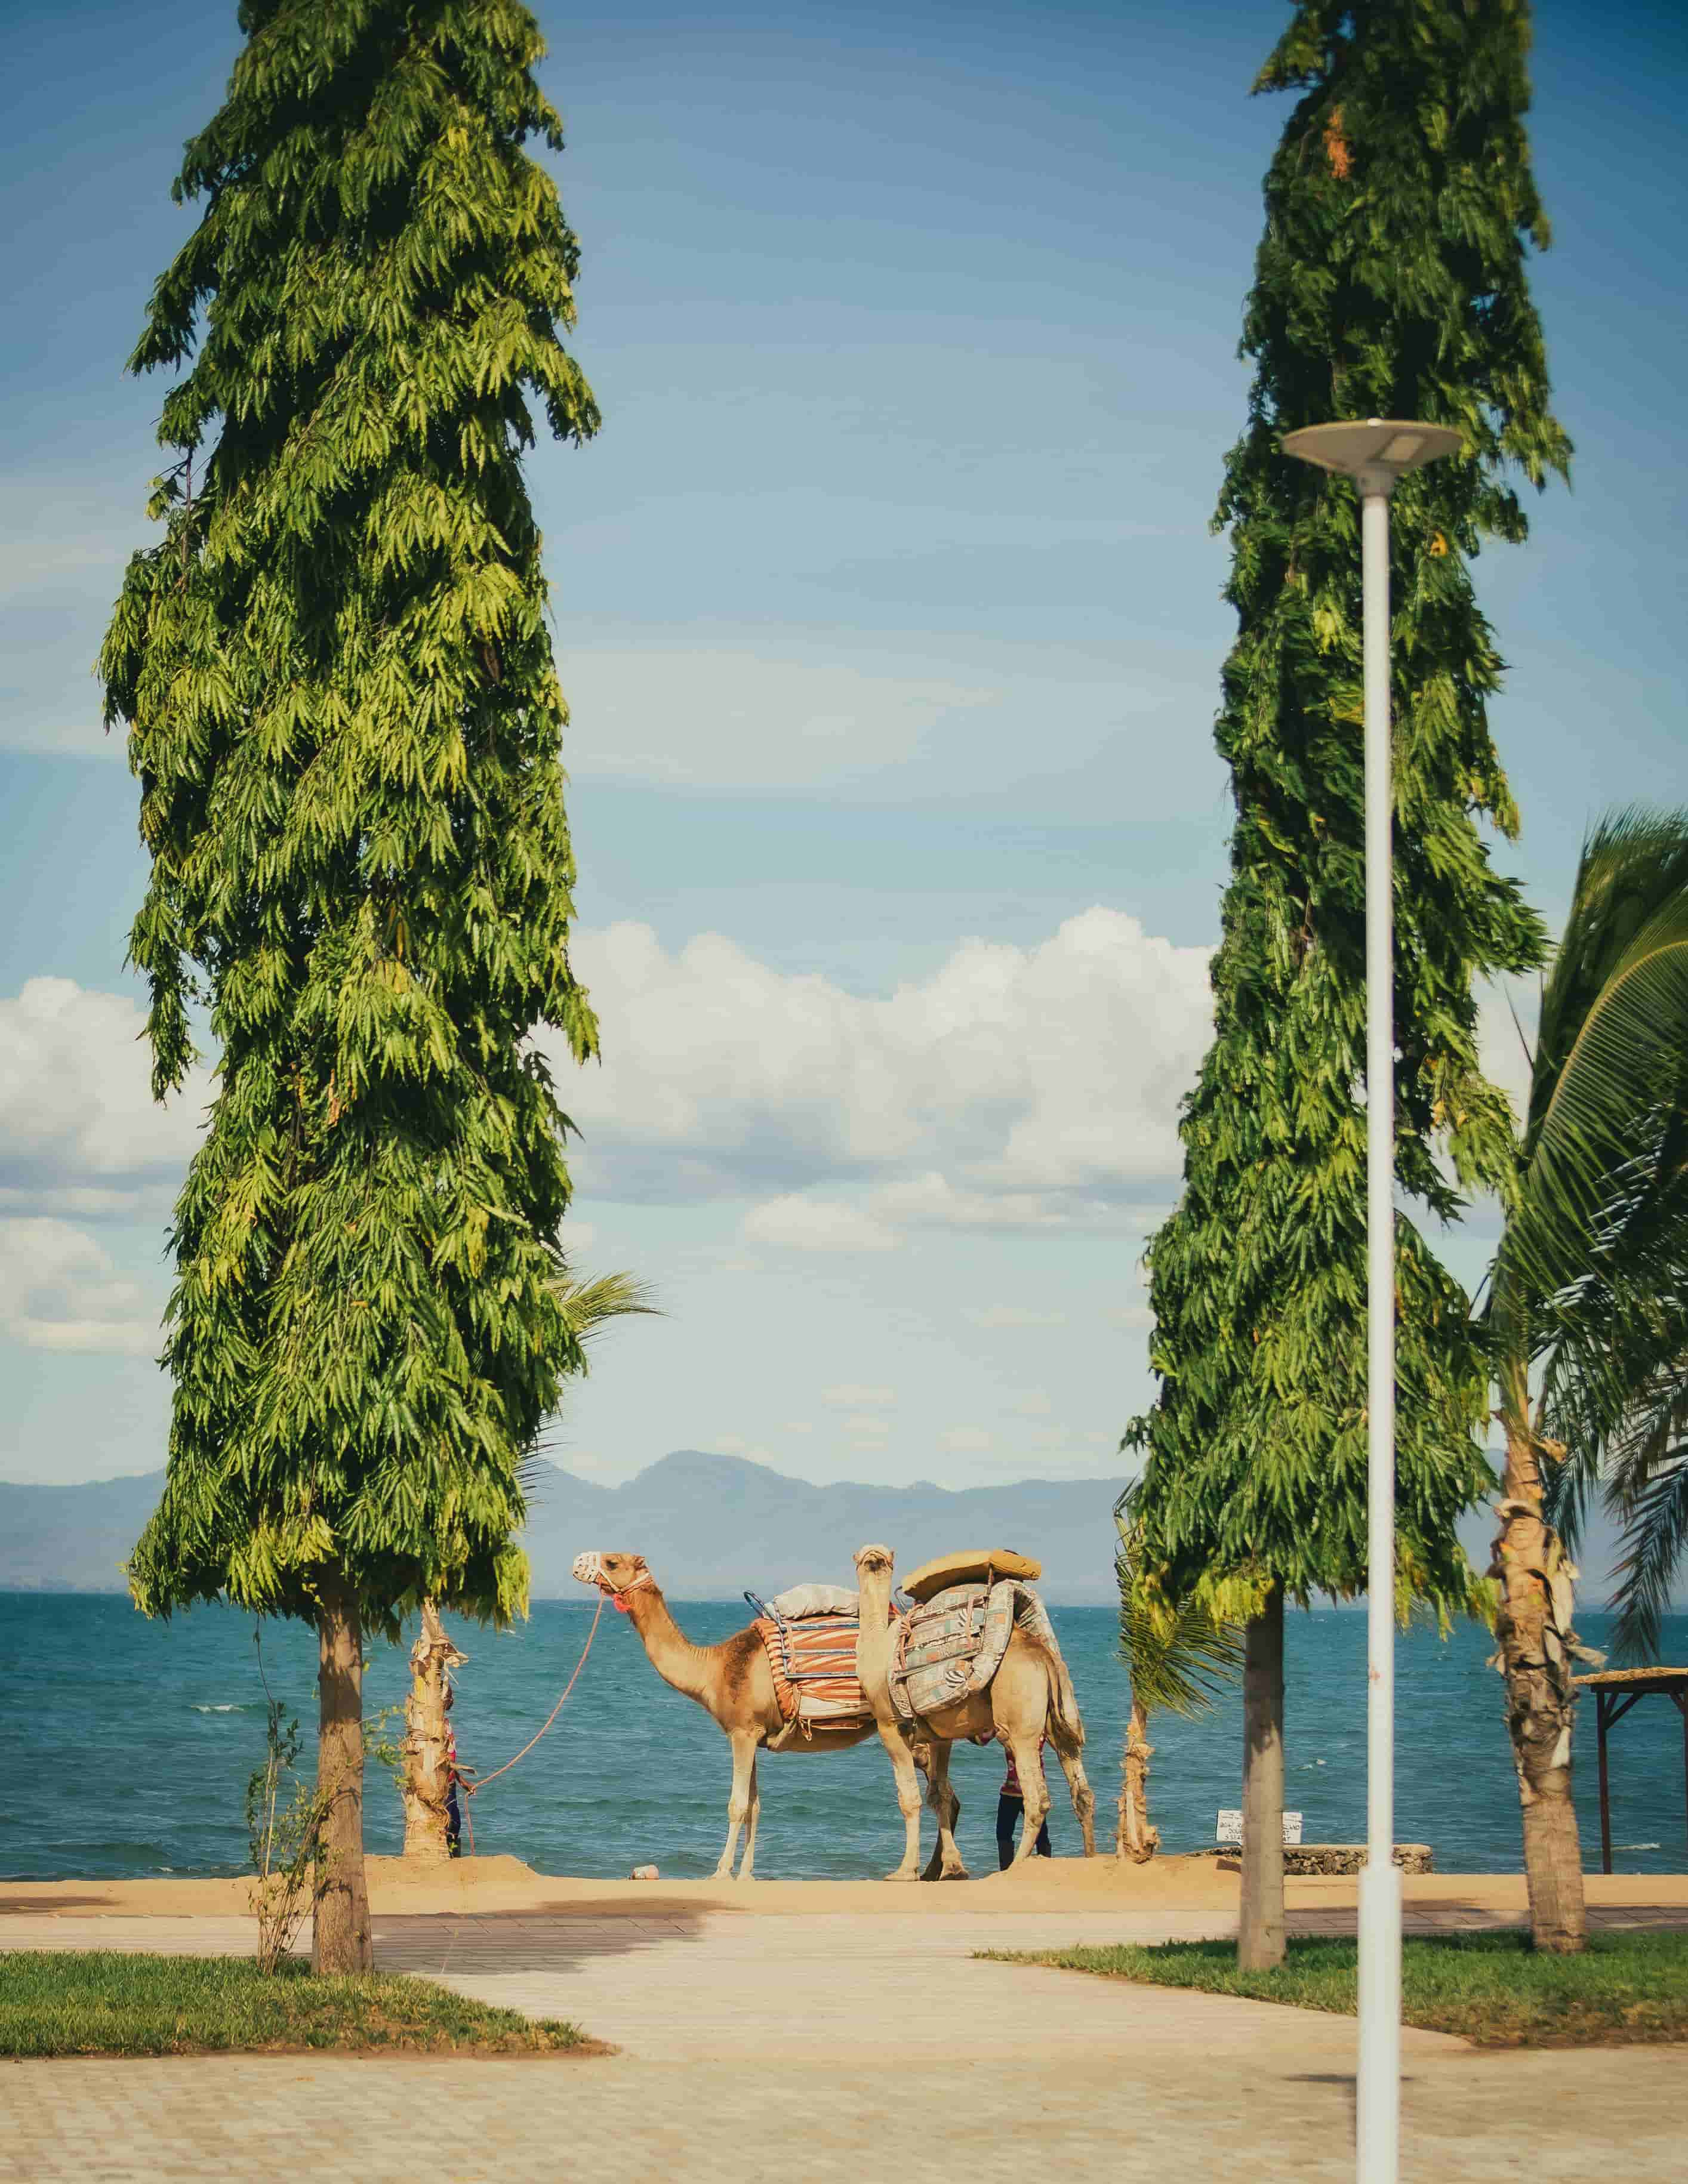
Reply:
x=816, y=2049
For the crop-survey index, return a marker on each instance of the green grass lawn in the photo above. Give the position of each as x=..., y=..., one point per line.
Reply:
x=97, y=2002
x=1488, y=1988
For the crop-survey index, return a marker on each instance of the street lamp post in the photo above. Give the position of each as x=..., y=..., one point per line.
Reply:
x=1374, y=453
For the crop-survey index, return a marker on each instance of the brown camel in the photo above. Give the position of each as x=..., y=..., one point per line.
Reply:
x=733, y=1682
x=1030, y=1696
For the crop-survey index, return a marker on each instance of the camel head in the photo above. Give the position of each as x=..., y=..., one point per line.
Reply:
x=875, y=1561
x=612, y=1574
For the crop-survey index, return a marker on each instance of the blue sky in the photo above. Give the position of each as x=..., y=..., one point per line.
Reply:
x=890, y=623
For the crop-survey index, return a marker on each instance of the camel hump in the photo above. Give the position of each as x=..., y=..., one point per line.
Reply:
x=976, y=1566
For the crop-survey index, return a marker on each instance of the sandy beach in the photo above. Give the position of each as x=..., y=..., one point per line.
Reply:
x=471, y=1885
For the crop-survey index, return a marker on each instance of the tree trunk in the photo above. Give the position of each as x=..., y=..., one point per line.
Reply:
x=427, y=1780
x=1259, y=1923
x=1137, y=1840
x=1536, y=1642
x=340, y=1935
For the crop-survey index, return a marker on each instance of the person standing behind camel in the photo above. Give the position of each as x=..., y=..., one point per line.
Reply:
x=1011, y=1810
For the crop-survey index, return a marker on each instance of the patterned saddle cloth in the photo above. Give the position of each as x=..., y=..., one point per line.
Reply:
x=809, y=1635
x=949, y=1647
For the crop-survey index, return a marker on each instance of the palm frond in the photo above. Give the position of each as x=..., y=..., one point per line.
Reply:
x=1655, y=1548
x=1609, y=1083
x=1179, y=1655
x=588, y=1307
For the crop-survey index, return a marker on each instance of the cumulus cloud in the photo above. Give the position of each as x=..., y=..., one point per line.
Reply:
x=817, y=1224
x=59, y=1290
x=79, y=1131
x=851, y=1396
x=1033, y=1089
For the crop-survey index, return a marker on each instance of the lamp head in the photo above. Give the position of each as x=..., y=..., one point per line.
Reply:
x=1375, y=451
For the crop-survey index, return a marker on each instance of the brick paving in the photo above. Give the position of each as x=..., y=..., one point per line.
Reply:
x=813, y=2047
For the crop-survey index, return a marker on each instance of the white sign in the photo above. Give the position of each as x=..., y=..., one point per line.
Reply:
x=1230, y=1829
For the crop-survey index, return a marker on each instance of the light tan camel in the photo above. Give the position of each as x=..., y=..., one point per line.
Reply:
x=1030, y=1696
x=733, y=1682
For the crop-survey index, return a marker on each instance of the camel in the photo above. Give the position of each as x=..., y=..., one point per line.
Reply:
x=734, y=1683
x=1030, y=1696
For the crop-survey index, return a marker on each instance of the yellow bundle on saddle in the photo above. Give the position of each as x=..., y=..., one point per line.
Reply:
x=983, y=1566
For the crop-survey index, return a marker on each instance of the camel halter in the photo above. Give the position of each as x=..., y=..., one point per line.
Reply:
x=618, y=1594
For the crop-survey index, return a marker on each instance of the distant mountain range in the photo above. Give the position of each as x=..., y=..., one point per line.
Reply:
x=708, y=1525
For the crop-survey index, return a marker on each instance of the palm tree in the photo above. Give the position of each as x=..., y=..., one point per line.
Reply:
x=425, y=1783
x=1179, y=1656
x=1588, y=1291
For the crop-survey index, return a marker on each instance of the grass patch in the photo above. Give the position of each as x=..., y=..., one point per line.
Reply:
x=1491, y=1989
x=100, y=2002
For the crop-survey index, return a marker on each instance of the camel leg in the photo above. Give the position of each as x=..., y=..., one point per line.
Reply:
x=1028, y=1762
x=1083, y=1797
x=908, y=1801
x=738, y=1804
x=747, y=1866
x=947, y=1806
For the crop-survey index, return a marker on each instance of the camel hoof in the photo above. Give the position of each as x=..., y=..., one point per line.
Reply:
x=901, y=1875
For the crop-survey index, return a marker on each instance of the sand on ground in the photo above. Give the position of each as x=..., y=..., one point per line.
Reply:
x=503, y=1884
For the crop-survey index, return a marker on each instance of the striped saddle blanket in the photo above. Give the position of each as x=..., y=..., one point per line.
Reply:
x=813, y=1660
x=950, y=1646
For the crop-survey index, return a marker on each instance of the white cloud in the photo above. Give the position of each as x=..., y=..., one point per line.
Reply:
x=1016, y=1089
x=798, y=1425
x=864, y=1422
x=849, y=1396
x=79, y=1131
x=578, y=1236
x=817, y=1224
x=59, y=1290
x=1033, y=1405
x=1013, y=1315
x=742, y=719
x=964, y=1440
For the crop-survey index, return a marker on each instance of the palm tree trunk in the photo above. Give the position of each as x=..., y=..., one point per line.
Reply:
x=427, y=1781
x=1260, y=1922
x=1137, y=1840
x=340, y=1935
x=1533, y=1627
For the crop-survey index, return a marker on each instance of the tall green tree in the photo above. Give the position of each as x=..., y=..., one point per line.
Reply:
x=1390, y=282
x=337, y=681
x=1589, y=1297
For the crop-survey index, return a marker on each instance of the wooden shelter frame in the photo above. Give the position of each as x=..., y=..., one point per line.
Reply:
x=1615, y=1691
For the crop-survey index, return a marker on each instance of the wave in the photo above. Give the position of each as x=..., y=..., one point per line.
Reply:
x=1638, y=1846
x=228, y=1708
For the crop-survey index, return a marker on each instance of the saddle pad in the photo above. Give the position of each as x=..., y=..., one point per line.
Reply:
x=950, y=1646
x=813, y=1661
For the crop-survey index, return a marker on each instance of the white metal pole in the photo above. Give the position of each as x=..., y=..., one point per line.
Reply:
x=1378, y=2115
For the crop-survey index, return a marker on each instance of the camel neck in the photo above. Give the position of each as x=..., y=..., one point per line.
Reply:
x=671, y=1654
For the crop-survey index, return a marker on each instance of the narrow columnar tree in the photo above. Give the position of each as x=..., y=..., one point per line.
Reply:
x=337, y=677
x=1390, y=282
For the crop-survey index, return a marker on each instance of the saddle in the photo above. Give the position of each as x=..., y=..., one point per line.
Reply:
x=808, y=1633
x=949, y=1646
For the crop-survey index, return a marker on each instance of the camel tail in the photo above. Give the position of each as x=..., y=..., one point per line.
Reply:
x=1066, y=1725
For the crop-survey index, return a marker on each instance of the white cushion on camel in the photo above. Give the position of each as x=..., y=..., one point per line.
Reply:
x=801, y=1600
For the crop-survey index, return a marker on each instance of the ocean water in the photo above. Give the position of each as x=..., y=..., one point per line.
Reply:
x=129, y=1744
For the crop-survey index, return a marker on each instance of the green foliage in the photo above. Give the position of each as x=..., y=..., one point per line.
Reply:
x=1492, y=1989
x=1178, y=1654
x=106, y=2002
x=1390, y=282
x=1590, y=1282
x=341, y=707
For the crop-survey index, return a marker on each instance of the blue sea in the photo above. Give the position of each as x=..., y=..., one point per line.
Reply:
x=129, y=1744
